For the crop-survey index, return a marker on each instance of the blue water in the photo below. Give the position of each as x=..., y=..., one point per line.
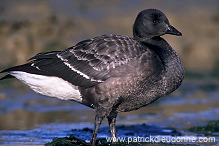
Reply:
x=30, y=118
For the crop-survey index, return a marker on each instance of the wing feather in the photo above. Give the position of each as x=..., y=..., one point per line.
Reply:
x=87, y=63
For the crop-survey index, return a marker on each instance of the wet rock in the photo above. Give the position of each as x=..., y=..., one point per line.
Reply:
x=67, y=141
x=209, y=129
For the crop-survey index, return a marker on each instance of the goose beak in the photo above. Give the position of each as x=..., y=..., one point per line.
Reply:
x=171, y=30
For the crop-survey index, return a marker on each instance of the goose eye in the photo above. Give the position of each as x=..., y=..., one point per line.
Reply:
x=155, y=21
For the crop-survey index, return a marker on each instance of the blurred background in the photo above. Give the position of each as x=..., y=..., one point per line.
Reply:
x=28, y=27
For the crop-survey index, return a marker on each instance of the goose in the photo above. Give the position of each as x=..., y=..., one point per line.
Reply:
x=109, y=73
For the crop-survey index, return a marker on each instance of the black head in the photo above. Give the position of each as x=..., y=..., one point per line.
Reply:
x=151, y=23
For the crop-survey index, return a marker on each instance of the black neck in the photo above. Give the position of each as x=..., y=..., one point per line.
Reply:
x=173, y=67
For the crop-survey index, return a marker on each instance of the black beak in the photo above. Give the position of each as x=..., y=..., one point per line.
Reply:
x=173, y=31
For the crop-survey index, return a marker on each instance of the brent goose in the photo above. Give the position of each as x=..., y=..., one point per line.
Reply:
x=109, y=73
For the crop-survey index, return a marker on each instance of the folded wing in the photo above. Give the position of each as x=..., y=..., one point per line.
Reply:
x=87, y=63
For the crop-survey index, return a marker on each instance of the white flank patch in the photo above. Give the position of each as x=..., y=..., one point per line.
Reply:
x=49, y=86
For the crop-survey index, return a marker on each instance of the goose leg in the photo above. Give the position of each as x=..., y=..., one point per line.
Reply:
x=112, y=121
x=97, y=123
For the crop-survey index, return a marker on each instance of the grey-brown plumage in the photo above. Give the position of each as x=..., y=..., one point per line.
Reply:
x=110, y=73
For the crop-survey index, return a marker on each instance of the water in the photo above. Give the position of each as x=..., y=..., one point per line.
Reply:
x=28, y=118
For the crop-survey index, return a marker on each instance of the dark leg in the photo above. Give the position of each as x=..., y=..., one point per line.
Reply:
x=112, y=122
x=97, y=124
